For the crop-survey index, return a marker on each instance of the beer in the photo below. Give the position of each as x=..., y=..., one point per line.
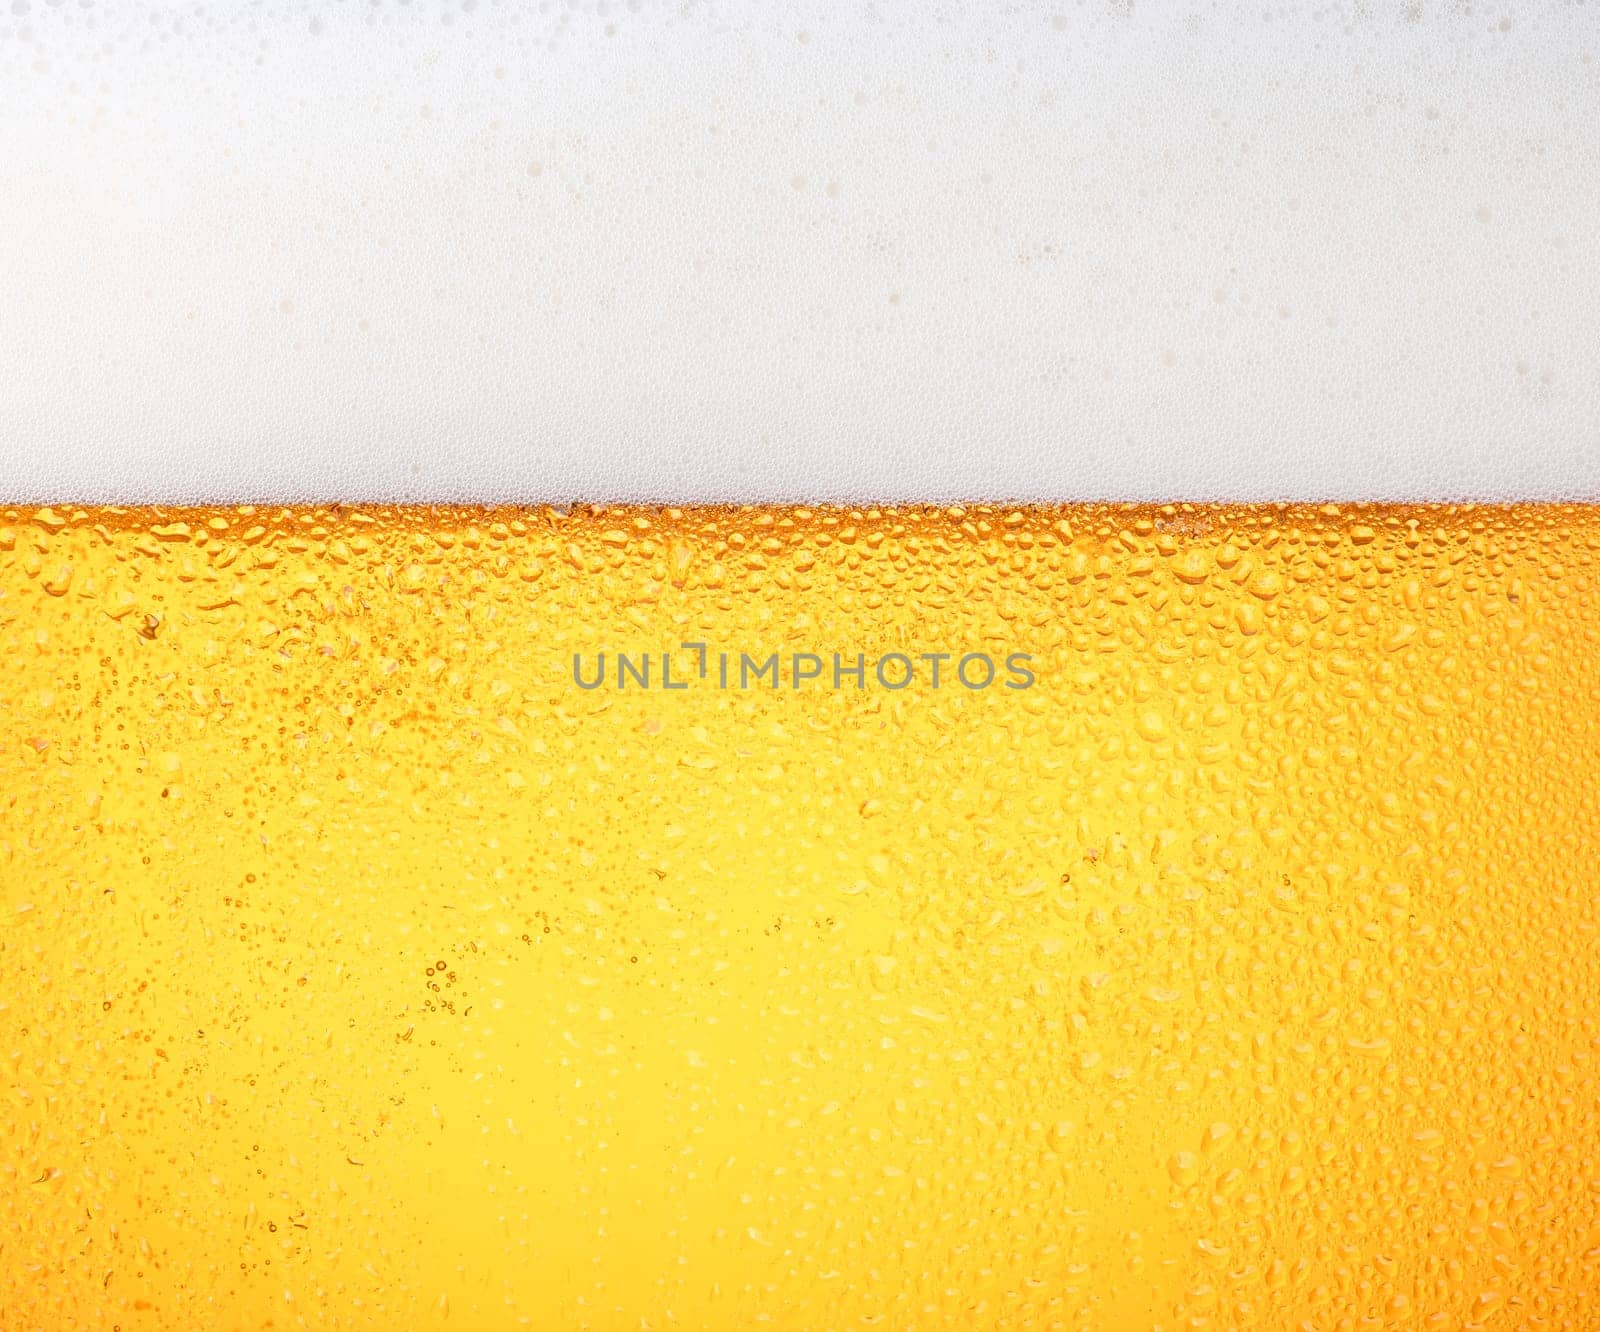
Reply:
x=1092, y=917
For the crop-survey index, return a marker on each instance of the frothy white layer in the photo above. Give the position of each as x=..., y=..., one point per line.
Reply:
x=929, y=249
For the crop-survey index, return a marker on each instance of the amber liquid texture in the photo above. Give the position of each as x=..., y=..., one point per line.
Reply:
x=360, y=967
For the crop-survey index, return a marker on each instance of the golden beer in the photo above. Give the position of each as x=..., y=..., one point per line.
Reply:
x=377, y=950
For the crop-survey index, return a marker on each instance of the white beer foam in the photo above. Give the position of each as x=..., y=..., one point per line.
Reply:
x=913, y=249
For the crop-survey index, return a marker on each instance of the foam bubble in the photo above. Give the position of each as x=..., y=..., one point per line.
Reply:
x=798, y=251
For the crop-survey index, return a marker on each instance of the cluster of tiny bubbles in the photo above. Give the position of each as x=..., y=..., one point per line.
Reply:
x=798, y=251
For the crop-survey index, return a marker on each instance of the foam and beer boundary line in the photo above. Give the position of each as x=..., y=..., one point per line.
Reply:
x=798, y=252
